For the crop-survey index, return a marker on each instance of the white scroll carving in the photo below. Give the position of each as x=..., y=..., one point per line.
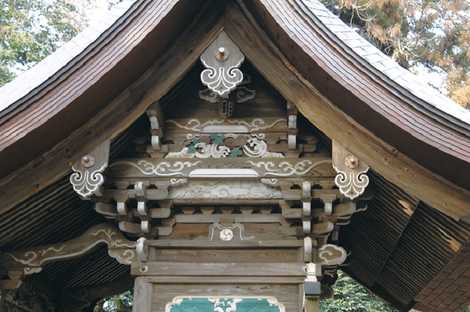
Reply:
x=88, y=172
x=32, y=260
x=226, y=125
x=160, y=169
x=332, y=255
x=226, y=232
x=285, y=168
x=351, y=177
x=222, y=60
x=255, y=147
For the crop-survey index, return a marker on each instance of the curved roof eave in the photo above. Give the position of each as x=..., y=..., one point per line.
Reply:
x=25, y=116
x=384, y=64
x=410, y=116
x=29, y=81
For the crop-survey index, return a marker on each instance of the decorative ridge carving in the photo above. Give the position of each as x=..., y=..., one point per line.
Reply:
x=351, y=177
x=285, y=168
x=217, y=125
x=255, y=147
x=164, y=168
x=257, y=167
x=88, y=177
x=25, y=262
x=222, y=60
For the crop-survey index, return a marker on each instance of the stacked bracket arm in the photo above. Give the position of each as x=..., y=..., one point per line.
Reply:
x=236, y=180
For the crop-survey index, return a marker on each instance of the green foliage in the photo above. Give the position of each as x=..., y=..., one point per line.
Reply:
x=430, y=33
x=118, y=303
x=32, y=29
x=350, y=296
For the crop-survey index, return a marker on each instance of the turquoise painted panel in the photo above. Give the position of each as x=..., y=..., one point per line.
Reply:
x=224, y=304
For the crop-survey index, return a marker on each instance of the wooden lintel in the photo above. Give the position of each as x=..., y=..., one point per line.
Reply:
x=171, y=243
x=219, y=269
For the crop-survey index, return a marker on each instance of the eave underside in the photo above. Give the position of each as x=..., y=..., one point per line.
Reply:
x=394, y=229
x=397, y=246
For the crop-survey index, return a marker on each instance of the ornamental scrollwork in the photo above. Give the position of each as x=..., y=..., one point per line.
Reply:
x=87, y=176
x=86, y=182
x=286, y=168
x=219, y=125
x=32, y=261
x=332, y=255
x=255, y=147
x=163, y=169
x=226, y=232
x=351, y=178
x=222, y=60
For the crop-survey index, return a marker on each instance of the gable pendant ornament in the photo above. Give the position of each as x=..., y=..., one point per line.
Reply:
x=351, y=178
x=87, y=176
x=222, y=60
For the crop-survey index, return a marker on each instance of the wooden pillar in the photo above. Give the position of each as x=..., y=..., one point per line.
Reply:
x=312, y=305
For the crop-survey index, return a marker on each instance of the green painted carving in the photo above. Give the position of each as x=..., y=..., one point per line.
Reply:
x=192, y=146
x=224, y=304
x=217, y=139
x=235, y=152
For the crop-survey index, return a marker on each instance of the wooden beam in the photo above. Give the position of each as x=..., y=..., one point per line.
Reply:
x=117, y=115
x=255, y=44
x=383, y=158
x=220, y=269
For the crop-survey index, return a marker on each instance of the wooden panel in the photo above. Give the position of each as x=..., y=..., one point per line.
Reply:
x=231, y=255
x=288, y=295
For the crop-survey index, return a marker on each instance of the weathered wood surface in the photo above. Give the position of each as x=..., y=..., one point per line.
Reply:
x=247, y=244
x=392, y=164
x=116, y=116
x=383, y=158
x=24, y=262
x=219, y=269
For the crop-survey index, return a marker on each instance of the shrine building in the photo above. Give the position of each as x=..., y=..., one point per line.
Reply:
x=229, y=155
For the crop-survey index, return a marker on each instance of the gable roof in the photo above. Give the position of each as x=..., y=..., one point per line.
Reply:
x=109, y=77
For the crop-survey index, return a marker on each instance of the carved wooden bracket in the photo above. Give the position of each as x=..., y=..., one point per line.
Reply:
x=88, y=171
x=154, y=116
x=26, y=262
x=351, y=177
x=332, y=255
x=222, y=60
